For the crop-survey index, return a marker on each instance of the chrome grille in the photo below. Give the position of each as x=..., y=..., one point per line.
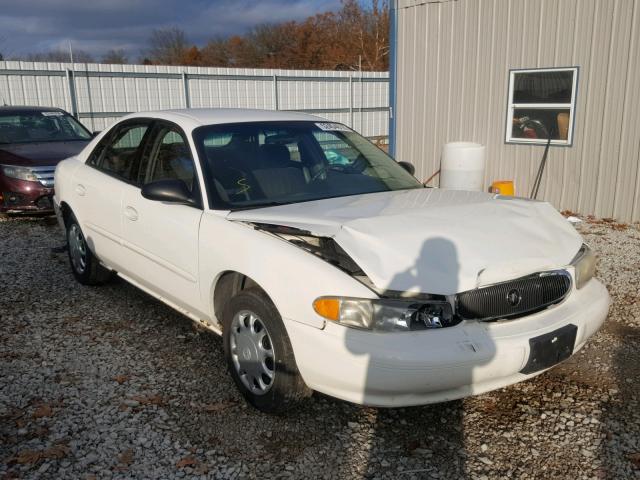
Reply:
x=514, y=298
x=44, y=175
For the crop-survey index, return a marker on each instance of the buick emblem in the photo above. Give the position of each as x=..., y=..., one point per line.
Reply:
x=514, y=297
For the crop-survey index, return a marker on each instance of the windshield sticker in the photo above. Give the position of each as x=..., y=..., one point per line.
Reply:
x=52, y=114
x=333, y=127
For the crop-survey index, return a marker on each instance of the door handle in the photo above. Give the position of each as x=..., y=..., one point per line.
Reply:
x=131, y=213
x=80, y=190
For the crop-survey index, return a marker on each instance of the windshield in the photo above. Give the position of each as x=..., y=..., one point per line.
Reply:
x=274, y=163
x=30, y=127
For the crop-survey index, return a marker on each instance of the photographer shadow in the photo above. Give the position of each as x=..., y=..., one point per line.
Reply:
x=429, y=439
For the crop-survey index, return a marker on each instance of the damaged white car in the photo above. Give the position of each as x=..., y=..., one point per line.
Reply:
x=325, y=264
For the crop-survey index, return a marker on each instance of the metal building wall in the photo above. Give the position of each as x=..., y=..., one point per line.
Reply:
x=100, y=94
x=452, y=67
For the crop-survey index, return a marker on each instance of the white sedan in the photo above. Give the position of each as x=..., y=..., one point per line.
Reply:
x=323, y=263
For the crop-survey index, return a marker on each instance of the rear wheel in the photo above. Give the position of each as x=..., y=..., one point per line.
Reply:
x=85, y=266
x=259, y=354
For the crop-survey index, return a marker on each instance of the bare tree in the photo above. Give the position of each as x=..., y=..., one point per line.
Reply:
x=366, y=29
x=115, y=57
x=271, y=44
x=3, y=39
x=377, y=28
x=168, y=46
x=355, y=36
x=216, y=53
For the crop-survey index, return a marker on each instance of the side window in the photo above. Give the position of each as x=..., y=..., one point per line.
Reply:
x=171, y=159
x=118, y=153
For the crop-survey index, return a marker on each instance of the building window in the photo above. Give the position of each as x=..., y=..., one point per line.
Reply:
x=541, y=104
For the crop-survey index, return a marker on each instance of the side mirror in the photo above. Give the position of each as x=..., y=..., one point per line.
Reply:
x=170, y=191
x=95, y=134
x=409, y=167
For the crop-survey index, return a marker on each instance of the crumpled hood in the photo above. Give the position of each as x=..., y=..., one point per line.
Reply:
x=434, y=241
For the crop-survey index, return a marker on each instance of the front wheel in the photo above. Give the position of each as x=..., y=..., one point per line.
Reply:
x=84, y=265
x=259, y=354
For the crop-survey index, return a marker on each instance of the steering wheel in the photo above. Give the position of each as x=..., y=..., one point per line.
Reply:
x=322, y=171
x=358, y=166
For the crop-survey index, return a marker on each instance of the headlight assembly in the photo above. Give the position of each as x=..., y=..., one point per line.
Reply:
x=21, y=173
x=585, y=265
x=386, y=315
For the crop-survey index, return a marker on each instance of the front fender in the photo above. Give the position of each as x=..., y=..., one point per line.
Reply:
x=292, y=277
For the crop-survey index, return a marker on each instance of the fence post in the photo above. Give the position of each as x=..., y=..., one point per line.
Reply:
x=71, y=85
x=185, y=90
x=275, y=93
x=360, y=122
x=351, y=100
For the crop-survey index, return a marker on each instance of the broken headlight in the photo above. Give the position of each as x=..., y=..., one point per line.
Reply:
x=585, y=265
x=386, y=315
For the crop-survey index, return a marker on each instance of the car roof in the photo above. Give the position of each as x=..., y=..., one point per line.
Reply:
x=196, y=117
x=20, y=109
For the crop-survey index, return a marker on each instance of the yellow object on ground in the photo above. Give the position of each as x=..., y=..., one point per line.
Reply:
x=503, y=187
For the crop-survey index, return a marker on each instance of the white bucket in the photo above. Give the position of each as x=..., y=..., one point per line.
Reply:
x=462, y=166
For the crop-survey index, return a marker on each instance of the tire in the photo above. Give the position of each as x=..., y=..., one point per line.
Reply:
x=246, y=319
x=85, y=266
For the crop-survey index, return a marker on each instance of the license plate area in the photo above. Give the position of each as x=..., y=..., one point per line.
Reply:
x=550, y=349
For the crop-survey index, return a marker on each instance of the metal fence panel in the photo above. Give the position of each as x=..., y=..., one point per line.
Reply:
x=100, y=94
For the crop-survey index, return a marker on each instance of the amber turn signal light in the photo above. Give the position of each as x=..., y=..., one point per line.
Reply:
x=328, y=308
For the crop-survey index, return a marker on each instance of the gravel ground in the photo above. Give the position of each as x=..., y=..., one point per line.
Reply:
x=109, y=383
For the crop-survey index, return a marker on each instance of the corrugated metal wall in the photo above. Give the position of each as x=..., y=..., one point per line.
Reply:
x=453, y=61
x=103, y=93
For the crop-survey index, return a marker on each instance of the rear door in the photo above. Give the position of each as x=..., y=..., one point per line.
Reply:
x=161, y=239
x=97, y=186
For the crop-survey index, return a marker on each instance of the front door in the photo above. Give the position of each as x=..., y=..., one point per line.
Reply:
x=161, y=239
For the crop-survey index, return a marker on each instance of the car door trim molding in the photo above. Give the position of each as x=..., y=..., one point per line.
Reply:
x=103, y=232
x=163, y=263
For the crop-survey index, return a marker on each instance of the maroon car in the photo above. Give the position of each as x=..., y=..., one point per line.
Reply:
x=32, y=142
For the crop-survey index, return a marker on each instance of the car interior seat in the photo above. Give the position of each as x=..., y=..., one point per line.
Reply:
x=275, y=173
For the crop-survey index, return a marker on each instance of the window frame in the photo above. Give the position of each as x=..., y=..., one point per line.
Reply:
x=511, y=106
x=95, y=157
x=145, y=159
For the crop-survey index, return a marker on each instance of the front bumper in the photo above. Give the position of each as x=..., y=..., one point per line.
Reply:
x=403, y=369
x=22, y=196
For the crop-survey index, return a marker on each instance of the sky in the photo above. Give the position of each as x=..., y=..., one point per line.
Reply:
x=96, y=26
